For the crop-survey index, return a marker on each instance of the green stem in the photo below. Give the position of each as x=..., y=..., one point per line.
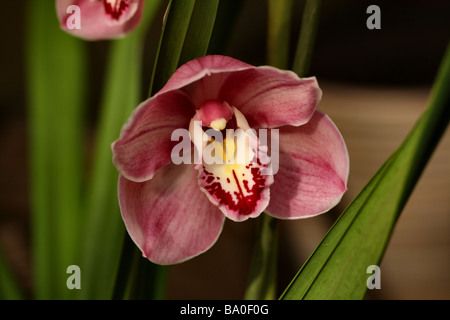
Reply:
x=262, y=284
x=130, y=254
x=149, y=280
x=137, y=277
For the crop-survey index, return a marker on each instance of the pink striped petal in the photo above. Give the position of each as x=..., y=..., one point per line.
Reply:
x=204, y=67
x=99, y=19
x=145, y=142
x=168, y=217
x=269, y=97
x=313, y=170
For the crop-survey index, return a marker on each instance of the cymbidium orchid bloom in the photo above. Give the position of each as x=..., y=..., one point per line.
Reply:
x=99, y=19
x=174, y=212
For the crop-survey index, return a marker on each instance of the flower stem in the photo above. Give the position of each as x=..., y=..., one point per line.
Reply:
x=262, y=284
x=150, y=280
x=138, y=278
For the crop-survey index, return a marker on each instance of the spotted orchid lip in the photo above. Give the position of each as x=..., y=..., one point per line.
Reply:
x=119, y=11
x=116, y=8
x=233, y=181
x=175, y=212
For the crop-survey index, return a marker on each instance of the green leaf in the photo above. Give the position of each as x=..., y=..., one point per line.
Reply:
x=337, y=269
x=200, y=29
x=103, y=226
x=307, y=37
x=178, y=17
x=279, y=32
x=227, y=15
x=186, y=35
x=56, y=94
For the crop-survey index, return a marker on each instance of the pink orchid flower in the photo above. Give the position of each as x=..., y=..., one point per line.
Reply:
x=174, y=212
x=99, y=19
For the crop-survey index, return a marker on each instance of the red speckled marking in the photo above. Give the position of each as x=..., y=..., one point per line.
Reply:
x=116, y=10
x=245, y=204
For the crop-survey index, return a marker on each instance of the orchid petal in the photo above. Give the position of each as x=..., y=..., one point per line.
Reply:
x=100, y=19
x=168, y=217
x=145, y=142
x=269, y=97
x=202, y=67
x=313, y=170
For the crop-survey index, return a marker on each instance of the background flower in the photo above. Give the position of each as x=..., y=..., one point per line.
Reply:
x=100, y=19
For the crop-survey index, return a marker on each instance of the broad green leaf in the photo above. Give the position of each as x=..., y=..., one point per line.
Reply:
x=337, y=269
x=103, y=227
x=56, y=92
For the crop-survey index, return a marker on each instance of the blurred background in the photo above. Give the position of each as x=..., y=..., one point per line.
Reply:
x=375, y=85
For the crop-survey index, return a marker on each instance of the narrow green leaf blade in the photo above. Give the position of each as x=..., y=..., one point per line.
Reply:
x=178, y=17
x=279, y=32
x=227, y=15
x=307, y=37
x=103, y=226
x=338, y=267
x=200, y=29
x=56, y=92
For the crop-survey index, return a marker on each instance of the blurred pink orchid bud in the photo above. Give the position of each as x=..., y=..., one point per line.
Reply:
x=99, y=19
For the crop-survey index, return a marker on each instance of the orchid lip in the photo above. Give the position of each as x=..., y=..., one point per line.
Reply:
x=119, y=11
x=231, y=172
x=115, y=8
